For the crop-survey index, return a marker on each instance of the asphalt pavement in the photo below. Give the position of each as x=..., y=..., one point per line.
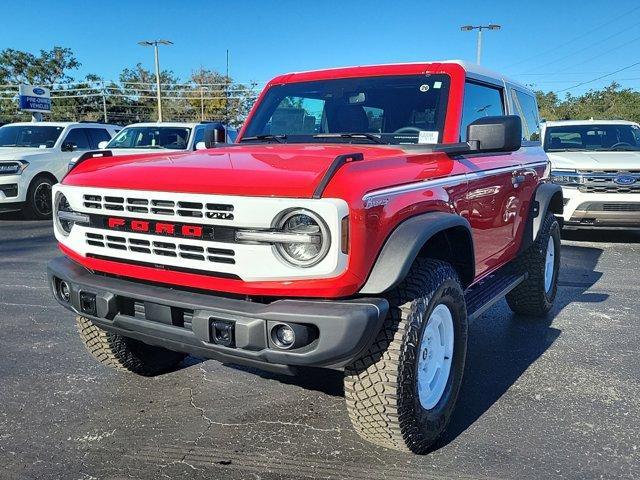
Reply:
x=552, y=398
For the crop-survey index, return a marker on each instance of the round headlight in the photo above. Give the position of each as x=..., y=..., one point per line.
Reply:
x=62, y=205
x=314, y=236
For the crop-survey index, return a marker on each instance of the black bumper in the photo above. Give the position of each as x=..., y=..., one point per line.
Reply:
x=182, y=320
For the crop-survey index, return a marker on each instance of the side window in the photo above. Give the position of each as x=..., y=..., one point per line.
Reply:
x=198, y=136
x=97, y=135
x=526, y=108
x=479, y=101
x=78, y=137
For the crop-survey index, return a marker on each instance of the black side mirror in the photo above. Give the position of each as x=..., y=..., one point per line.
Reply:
x=68, y=147
x=495, y=134
x=217, y=134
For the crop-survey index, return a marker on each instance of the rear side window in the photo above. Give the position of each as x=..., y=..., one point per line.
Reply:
x=479, y=101
x=97, y=135
x=79, y=138
x=526, y=108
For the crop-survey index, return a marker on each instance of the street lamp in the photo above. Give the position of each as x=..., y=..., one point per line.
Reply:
x=468, y=28
x=155, y=43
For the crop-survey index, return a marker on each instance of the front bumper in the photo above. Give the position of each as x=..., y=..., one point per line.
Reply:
x=12, y=189
x=182, y=320
x=603, y=210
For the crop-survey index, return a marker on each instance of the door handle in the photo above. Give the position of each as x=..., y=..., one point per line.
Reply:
x=517, y=180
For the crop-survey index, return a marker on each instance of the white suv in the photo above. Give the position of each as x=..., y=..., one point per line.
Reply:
x=597, y=162
x=166, y=136
x=34, y=156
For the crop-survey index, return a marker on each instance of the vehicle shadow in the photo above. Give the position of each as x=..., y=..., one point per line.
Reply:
x=11, y=216
x=602, y=236
x=502, y=345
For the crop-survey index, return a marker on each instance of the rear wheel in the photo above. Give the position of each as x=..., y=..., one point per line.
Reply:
x=126, y=354
x=541, y=263
x=402, y=392
x=39, y=203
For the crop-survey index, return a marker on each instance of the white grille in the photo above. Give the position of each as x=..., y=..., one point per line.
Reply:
x=165, y=248
x=158, y=206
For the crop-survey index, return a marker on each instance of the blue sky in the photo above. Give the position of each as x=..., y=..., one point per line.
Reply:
x=555, y=44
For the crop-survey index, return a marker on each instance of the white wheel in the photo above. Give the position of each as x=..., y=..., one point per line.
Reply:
x=436, y=354
x=549, y=265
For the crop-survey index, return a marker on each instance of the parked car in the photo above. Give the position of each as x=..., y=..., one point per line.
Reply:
x=363, y=218
x=35, y=155
x=151, y=137
x=597, y=162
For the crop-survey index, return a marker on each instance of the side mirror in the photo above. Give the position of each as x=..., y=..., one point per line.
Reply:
x=217, y=134
x=201, y=146
x=68, y=147
x=103, y=144
x=495, y=134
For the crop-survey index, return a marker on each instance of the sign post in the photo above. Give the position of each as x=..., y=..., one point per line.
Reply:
x=36, y=100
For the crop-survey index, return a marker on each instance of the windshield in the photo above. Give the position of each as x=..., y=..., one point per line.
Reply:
x=394, y=110
x=174, y=138
x=592, y=138
x=29, y=136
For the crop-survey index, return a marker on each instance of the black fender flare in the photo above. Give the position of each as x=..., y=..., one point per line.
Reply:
x=547, y=197
x=405, y=243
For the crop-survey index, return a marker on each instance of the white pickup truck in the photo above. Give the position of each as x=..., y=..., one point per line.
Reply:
x=34, y=156
x=597, y=162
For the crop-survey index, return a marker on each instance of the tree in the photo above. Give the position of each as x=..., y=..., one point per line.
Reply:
x=612, y=102
x=50, y=67
x=224, y=100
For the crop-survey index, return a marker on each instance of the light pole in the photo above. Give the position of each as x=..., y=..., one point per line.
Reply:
x=480, y=28
x=202, y=89
x=155, y=43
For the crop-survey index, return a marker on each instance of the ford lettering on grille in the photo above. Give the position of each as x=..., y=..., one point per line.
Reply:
x=160, y=228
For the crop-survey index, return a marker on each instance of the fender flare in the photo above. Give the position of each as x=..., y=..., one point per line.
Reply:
x=547, y=197
x=404, y=244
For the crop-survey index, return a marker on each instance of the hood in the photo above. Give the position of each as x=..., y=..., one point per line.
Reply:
x=289, y=170
x=595, y=160
x=19, y=153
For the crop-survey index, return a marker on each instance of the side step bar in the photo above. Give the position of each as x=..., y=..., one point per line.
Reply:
x=482, y=296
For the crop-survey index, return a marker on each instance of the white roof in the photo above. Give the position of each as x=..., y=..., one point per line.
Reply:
x=59, y=124
x=164, y=124
x=591, y=121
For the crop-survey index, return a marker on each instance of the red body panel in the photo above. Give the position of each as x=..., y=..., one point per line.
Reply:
x=494, y=206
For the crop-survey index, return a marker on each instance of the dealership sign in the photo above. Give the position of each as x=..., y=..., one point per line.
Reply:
x=34, y=99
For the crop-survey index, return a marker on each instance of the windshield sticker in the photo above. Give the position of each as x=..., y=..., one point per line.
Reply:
x=437, y=84
x=427, y=136
x=424, y=88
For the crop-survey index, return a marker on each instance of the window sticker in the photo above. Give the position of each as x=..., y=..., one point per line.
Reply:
x=424, y=87
x=437, y=84
x=428, y=136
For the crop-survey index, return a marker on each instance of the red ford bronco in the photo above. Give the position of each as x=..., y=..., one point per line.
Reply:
x=363, y=217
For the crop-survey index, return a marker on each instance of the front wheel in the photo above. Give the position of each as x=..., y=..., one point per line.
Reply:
x=39, y=202
x=402, y=392
x=541, y=263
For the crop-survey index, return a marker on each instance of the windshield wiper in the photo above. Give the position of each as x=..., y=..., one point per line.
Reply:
x=368, y=136
x=262, y=138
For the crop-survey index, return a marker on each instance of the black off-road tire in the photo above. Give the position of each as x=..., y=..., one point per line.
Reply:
x=126, y=354
x=32, y=209
x=381, y=387
x=531, y=298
